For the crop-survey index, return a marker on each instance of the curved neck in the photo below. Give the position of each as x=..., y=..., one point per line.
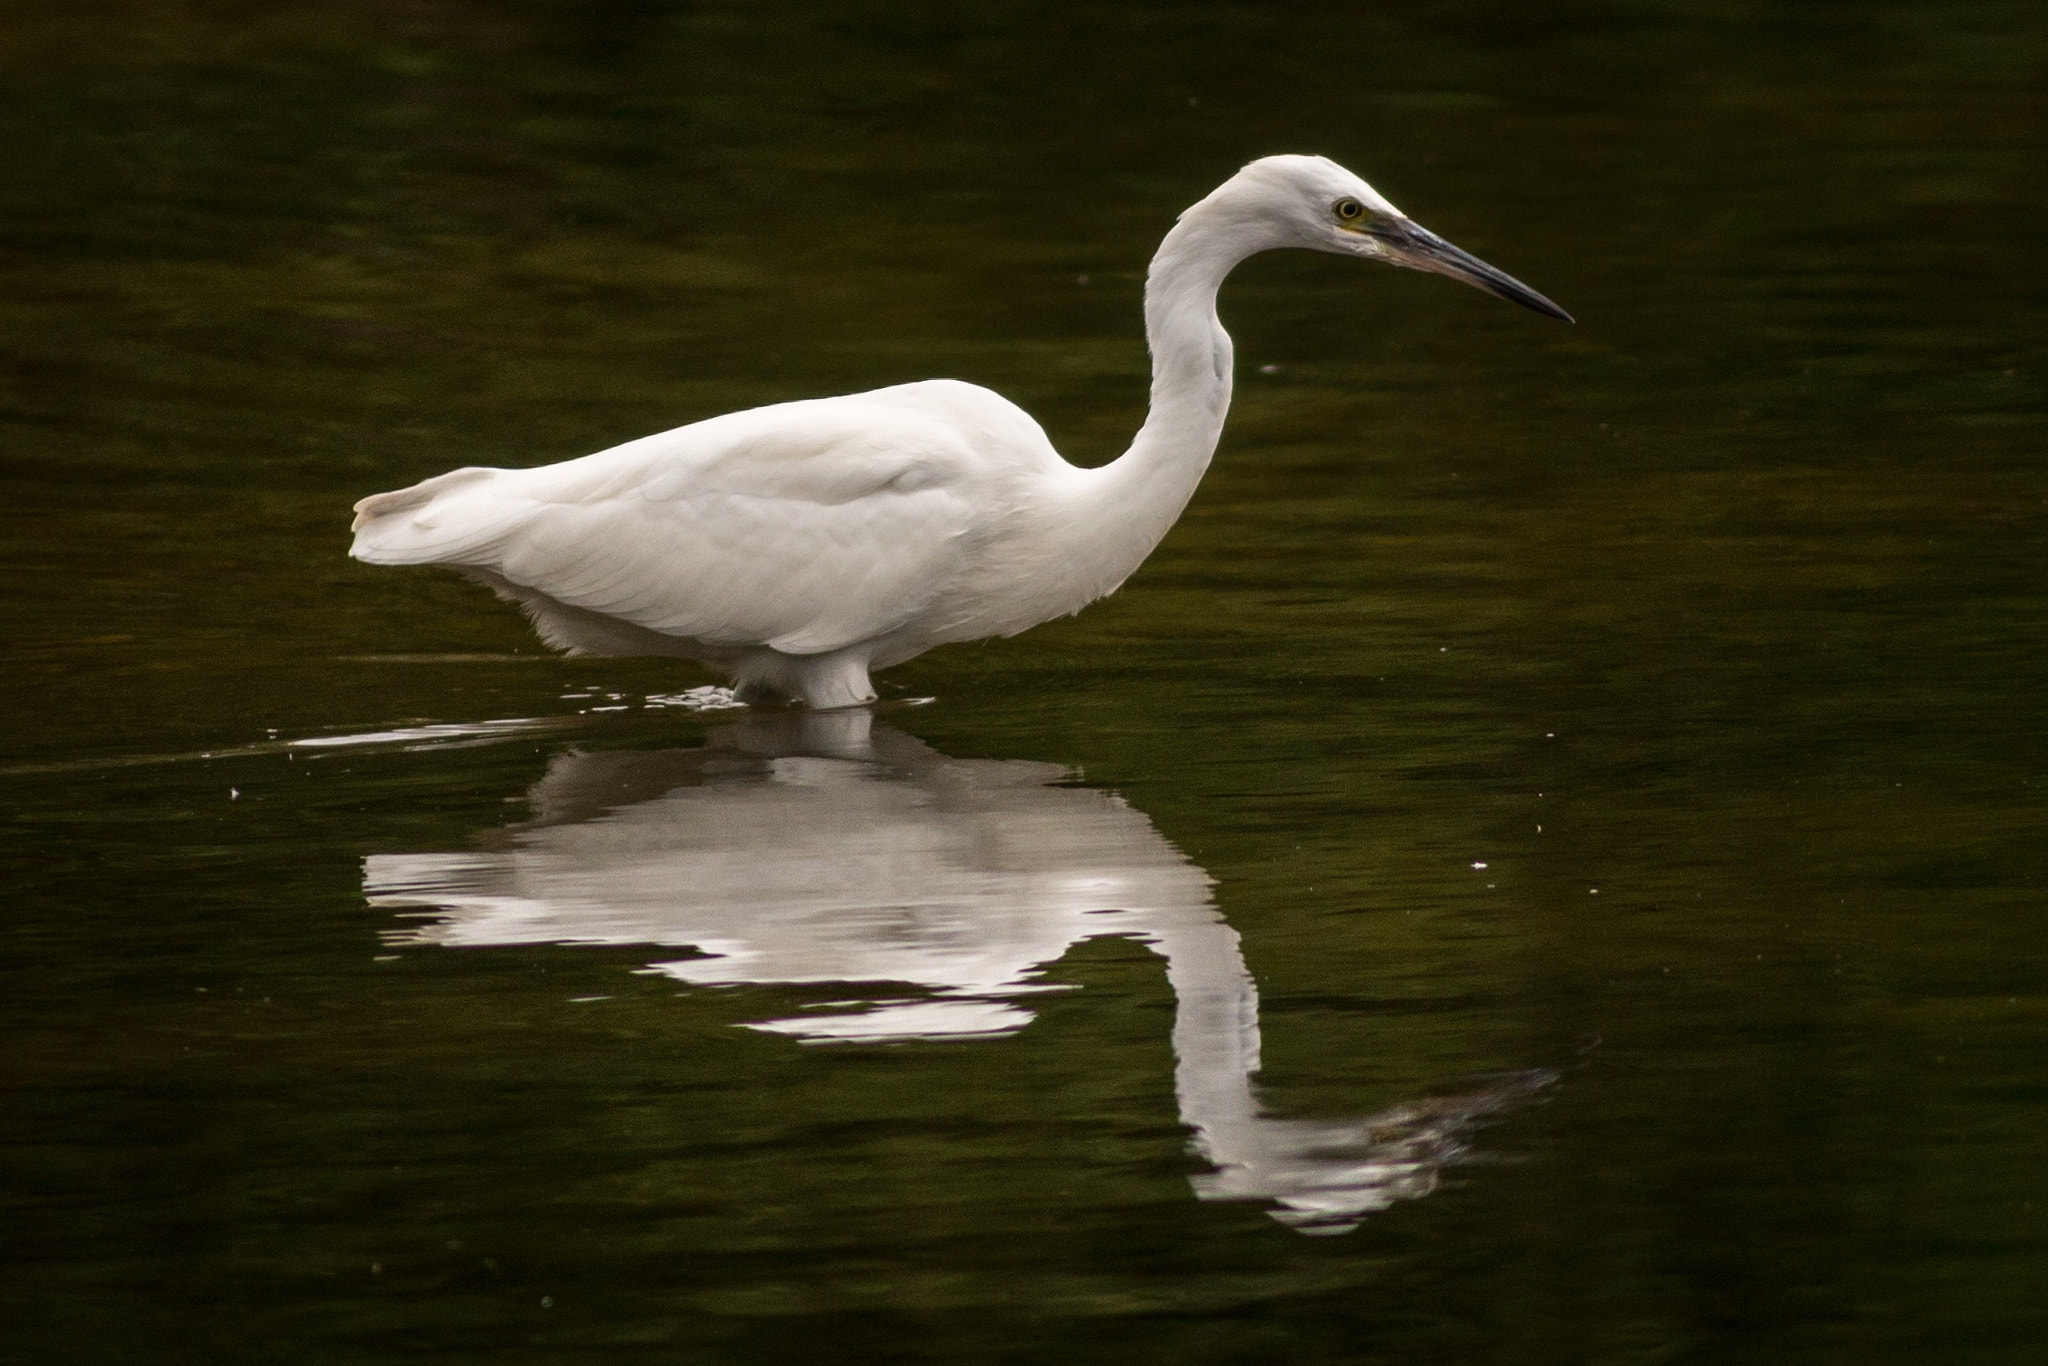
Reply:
x=1138, y=496
x=1191, y=358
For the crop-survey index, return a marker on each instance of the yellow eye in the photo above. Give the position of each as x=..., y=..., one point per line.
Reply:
x=1350, y=210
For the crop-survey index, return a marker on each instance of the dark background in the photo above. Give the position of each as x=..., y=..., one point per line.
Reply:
x=1734, y=589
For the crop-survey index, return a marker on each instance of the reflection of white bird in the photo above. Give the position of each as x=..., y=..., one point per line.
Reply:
x=800, y=545
x=812, y=849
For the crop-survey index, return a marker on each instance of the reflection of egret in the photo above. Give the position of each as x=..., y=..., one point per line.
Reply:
x=816, y=849
x=801, y=545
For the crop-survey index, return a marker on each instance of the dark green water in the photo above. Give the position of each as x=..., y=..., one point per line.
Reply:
x=1712, y=627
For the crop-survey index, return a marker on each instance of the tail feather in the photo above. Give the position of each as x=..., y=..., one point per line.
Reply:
x=385, y=535
x=398, y=500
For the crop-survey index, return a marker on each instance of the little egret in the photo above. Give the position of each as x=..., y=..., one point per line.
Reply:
x=799, y=546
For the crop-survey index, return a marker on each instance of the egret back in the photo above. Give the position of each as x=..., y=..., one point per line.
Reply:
x=804, y=527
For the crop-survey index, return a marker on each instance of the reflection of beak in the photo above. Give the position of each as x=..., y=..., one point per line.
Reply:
x=1408, y=244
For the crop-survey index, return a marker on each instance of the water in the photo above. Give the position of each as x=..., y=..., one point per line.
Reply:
x=1545, y=864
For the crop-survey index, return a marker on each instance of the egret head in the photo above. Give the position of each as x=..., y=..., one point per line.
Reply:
x=1312, y=202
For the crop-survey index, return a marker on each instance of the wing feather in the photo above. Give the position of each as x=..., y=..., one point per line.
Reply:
x=804, y=526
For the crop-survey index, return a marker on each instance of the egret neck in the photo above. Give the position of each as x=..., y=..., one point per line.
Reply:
x=1131, y=502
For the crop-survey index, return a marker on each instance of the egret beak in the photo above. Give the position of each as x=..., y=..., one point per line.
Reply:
x=1409, y=244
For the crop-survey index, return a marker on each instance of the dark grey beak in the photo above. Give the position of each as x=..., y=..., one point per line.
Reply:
x=1409, y=244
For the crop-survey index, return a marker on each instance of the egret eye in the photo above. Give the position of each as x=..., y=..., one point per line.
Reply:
x=1350, y=210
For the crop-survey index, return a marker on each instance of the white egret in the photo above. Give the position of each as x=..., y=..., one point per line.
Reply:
x=800, y=546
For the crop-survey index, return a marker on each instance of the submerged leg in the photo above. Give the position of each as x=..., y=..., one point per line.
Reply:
x=838, y=679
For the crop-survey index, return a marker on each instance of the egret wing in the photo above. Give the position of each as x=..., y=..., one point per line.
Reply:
x=805, y=526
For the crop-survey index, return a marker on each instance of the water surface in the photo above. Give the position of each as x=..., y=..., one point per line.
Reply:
x=1545, y=863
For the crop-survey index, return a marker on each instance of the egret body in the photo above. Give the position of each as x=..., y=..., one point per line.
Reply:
x=800, y=546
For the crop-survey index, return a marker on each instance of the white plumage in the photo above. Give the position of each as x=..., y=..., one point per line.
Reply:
x=801, y=545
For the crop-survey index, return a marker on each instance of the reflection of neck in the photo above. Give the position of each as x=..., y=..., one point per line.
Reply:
x=1325, y=1175
x=1215, y=1031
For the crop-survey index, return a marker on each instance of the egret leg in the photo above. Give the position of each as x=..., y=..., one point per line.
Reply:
x=837, y=679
